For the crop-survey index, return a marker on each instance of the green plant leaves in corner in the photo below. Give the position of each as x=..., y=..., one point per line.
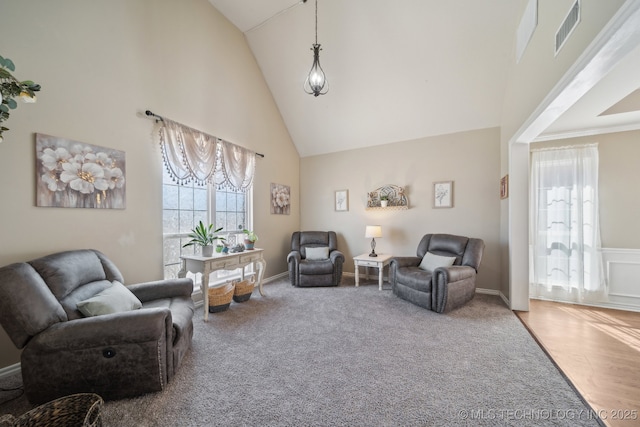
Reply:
x=7, y=63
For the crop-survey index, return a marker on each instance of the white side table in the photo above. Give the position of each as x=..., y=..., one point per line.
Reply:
x=365, y=260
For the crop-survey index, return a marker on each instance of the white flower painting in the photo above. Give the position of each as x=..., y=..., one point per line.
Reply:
x=71, y=174
x=280, y=199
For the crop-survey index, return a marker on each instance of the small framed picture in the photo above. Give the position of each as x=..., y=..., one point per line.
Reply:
x=443, y=194
x=504, y=187
x=342, y=200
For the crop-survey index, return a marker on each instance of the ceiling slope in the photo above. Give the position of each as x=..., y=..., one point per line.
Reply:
x=399, y=69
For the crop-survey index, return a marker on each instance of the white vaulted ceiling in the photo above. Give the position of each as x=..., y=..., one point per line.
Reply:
x=397, y=69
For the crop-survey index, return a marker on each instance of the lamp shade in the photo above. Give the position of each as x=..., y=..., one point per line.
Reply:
x=373, y=231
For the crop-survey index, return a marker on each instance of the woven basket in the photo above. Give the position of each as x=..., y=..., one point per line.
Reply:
x=220, y=297
x=77, y=410
x=243, y=289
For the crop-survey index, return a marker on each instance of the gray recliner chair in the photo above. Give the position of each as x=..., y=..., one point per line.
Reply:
x=442, y=275
x=134, y=349
x=314, y=259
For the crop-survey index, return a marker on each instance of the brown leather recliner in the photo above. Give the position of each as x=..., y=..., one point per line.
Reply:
x=314, y=259
x=442, y=288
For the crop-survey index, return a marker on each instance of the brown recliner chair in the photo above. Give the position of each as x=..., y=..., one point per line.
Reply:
x=442, y=275
x=314, y=259
x=82, y=330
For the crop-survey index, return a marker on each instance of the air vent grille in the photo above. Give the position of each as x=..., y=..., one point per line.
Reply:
x=568, y=25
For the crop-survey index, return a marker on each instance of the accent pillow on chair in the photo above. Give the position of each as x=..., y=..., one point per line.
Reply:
x=114, y=299
x=317, y=254
x=432, y=261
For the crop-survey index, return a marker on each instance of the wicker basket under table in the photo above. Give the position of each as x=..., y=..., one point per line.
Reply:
x=76, y=410
x=220, y=297
x=243, y=289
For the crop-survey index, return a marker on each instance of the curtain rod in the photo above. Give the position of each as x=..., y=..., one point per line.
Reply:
x=151, y=114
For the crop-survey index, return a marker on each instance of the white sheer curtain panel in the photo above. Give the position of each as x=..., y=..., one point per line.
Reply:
x=188, y=154
x=566, y=258
x=191, y=155
x=237, y=167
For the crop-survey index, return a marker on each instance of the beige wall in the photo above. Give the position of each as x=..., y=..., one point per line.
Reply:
x=470, y=159
x=101, y=64
x=618, y=178
x=529, y=82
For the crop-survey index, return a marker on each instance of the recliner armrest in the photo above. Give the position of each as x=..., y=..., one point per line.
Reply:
x=149, y=291
x=143, y=325
x=404, y=261
x=336, y=255
x=454, y=273
x=294, y=256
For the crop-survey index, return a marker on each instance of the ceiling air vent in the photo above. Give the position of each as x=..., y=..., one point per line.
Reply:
x=568, y=25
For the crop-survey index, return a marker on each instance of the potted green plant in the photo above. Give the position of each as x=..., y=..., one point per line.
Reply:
x=384, y=200
x=250, y=239
x=205, y=236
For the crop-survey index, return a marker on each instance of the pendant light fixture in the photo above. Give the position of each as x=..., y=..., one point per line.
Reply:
x=316, y=83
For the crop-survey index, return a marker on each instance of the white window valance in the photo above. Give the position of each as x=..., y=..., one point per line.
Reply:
x=192, y=155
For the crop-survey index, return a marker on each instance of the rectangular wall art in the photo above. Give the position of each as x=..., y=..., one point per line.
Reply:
x=443, y=194
x=72, y=174
x=280, y=199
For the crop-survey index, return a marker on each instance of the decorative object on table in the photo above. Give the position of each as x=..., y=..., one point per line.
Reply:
x=443, y=194
x=442, y=275
x=72, y=174
x=10, y=88
x=280, y=199
x=316, y=82
x=504, y=187
x=239, y=247
x=250, y=239
x=220, y=297
x=219, y=248
x=243, y=289
x=373, y=231
x=393, y=195
x=342, y=200
x=81, y=410
x=204, y=236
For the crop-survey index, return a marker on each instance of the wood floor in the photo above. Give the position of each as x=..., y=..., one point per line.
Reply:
x=598, y=350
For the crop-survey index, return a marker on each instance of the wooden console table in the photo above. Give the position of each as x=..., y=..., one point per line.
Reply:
x=229, y=261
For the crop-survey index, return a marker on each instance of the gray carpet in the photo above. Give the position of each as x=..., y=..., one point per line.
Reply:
x=351, y=356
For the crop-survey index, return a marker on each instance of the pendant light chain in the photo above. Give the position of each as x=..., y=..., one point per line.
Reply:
x=316, y=21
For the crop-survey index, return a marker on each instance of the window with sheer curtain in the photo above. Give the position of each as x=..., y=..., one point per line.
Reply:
x=205, y=179
x=566, y=258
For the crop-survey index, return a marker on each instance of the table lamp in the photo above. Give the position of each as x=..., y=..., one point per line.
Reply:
x=373, y=231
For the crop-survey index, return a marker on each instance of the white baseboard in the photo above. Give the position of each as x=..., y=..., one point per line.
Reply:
x=10, y=370
x=493, y=292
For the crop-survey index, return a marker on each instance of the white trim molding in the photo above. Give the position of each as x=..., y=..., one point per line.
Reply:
x=10, y=370
x=622, y=273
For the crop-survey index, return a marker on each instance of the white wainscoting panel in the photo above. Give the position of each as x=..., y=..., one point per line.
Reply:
x=622, y=272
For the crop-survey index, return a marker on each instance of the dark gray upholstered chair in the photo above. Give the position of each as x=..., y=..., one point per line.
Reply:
x=321, y=269
x=443, y=288
x=115, y=355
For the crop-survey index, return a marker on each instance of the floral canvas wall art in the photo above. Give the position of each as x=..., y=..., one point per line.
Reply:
x=280, y=199
x=72, y=174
